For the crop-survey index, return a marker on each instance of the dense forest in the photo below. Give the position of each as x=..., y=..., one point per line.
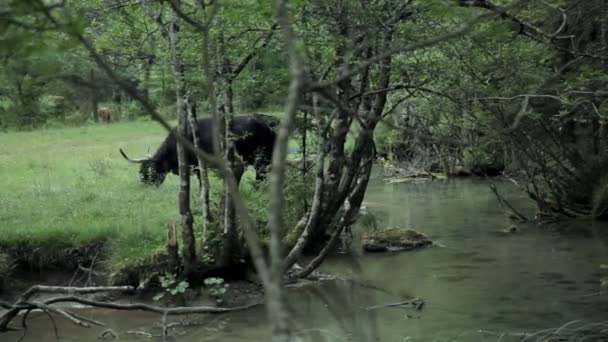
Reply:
x=314, y=94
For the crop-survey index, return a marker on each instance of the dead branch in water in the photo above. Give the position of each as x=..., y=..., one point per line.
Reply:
x=507, y=205
x=23, y=303
x=416, y=303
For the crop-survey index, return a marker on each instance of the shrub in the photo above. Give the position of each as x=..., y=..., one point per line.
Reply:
x=173, y=288
x=216, y=288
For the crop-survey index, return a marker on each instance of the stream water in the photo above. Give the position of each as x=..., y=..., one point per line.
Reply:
x=478, y=283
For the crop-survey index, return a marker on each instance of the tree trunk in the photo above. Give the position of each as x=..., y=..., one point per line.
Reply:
x=149, y=65
x=203, y=171
x=189, y=243
x=310, y=220
x=304, y=154
x=94, y=101
x=172, y=247
x=355, y=199
x=231, y=246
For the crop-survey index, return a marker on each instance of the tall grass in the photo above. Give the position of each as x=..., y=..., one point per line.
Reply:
x=65, y=190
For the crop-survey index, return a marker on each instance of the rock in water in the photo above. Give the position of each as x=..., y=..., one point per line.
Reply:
x=393, y=240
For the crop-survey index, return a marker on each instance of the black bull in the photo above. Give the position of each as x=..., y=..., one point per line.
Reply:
x=254, y=139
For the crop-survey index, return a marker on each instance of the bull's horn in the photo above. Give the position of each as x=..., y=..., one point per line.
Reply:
x=138, y=161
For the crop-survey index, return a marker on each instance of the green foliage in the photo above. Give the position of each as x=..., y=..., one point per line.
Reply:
x=216, y=288
x=264, y=85
x=368, y=221
x=604, y=279
x=297, y=191
x=210, y=245
x=388, y=141
x=480, y=157
x=172, y=287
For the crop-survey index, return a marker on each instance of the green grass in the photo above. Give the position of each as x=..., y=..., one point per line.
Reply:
x=68, y=196
x=69, y=189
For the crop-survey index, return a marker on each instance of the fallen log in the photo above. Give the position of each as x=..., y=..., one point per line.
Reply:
x=23, y=303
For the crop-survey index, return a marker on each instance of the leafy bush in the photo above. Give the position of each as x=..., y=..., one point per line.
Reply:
x=216, y=288
x=297, y=190
x=172, y=287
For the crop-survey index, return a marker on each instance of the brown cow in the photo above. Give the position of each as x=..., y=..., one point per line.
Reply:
x=104, y=114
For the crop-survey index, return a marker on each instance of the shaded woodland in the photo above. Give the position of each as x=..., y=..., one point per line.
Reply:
x=516, y=88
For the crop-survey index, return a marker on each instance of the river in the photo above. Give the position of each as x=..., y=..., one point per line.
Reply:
x=478, y=283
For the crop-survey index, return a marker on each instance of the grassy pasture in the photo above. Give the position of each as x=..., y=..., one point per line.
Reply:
x=65, y=190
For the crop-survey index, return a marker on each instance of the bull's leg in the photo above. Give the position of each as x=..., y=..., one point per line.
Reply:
x=197, y=172
x=261, y=172
x=261, y=164
x=239, y=169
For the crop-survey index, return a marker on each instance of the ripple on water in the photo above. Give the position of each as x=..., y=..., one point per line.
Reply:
x=454, y=278
x=565, y=282
x=484, y=259
x=465, y=267
x=465, y=255
x=554, y=276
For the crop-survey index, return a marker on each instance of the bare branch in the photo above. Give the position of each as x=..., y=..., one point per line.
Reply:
x=464, y=29
x=25, y=296
x=557, y=98
x=174, y=311
x=246, y=59
x=406, y=87
x=175, y=5
x=60, y=312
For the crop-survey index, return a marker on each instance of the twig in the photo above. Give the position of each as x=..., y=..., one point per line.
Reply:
x=86, y=319
x=89, y=281
x=90, y=271
x=507, y=205
x=139, y=333
x=60, y=312
x=21, y=303
x=183, y=310
x=83, y=322
x=464, y=29
x=109, y=332
x=416, y=303
x=24, y=325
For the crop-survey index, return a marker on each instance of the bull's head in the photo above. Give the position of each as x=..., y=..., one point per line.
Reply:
x=150, y=171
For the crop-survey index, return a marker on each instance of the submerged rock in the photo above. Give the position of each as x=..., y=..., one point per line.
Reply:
x=393, y=239
x=511, y=230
